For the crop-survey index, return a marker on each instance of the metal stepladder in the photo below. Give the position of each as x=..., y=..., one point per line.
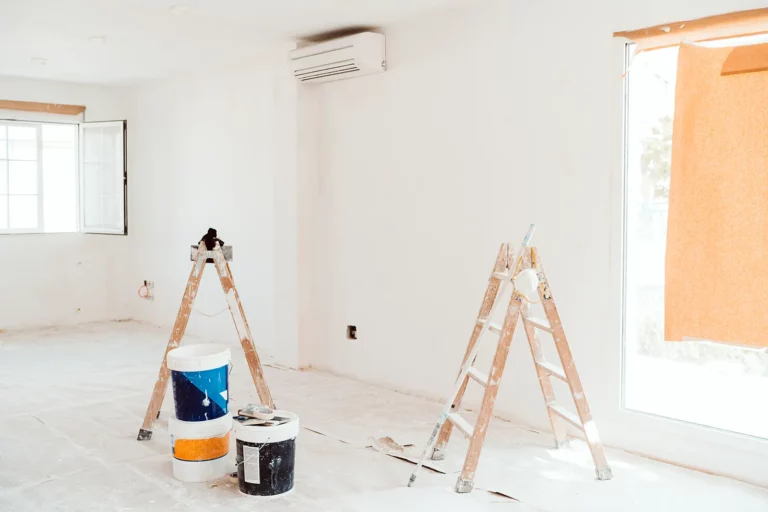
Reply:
x=220, y=260
x=506, y=269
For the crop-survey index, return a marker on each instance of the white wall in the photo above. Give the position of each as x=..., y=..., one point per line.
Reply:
x=487, y=120
x=57, y=279
x=204, y=152
x=381, y=202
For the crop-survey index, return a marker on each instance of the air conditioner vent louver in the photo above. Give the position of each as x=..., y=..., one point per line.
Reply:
x=347, y=57
x=330, y=73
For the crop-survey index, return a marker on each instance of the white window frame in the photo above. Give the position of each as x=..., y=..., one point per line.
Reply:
x=38, y=126
x=629, y=54
x=36, y=123
x=123, y=230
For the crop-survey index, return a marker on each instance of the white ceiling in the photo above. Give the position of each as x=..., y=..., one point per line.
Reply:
x=145, y=39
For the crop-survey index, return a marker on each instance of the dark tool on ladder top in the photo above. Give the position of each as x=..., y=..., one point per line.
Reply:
x=507, y=268
x=210, y=250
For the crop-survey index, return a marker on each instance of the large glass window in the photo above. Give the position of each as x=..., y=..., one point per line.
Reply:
x=712, y=384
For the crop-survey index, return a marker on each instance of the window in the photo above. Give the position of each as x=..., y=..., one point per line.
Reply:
x=62, y=177
x=103, y=177
x=710, y=384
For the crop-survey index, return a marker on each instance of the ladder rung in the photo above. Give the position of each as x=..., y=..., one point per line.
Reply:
x=552, y=370
x=500, y=275
x=477, y=376
x=491, y=326
x=461, y=424
x=566, y=415
x=539, y=323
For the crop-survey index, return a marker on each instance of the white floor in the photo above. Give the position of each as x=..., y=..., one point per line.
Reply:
x=73, y=400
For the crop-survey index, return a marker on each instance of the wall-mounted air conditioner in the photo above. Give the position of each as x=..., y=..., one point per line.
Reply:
x=337, y=59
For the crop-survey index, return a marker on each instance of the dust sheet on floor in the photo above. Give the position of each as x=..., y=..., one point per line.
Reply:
x=68, y=442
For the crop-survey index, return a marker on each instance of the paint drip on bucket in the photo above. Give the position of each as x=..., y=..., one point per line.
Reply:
x=266, y=453
x=200, y=379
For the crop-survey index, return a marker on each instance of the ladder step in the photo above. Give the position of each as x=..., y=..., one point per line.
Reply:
x=461, y=424
x=491, y=326
x=552, y=370
x=500, y=275
x=479, y=377
x=566, y=415
x=539, y=323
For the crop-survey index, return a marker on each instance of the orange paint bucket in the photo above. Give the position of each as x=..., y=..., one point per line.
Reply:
x=200, y=449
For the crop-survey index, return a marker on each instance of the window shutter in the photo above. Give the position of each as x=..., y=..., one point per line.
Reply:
x=103, y=178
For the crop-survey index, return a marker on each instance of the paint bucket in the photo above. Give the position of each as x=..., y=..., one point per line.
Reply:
x=199, y=374
x=200, y=448
x=266, y=456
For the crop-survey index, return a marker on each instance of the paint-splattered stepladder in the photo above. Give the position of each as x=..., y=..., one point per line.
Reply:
x=505, y=272
x=220, y=260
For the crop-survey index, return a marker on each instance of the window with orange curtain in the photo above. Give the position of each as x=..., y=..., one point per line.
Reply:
x=703, y=382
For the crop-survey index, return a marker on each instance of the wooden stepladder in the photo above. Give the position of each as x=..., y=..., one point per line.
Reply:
x=505, y=272
x=241, y=324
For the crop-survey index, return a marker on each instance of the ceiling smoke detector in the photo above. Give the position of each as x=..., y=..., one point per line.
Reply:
x=39, y=61
x=97, y=40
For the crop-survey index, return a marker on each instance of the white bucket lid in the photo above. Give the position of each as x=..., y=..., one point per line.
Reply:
x=200, y=357
x=200, y=429
x=271, y=434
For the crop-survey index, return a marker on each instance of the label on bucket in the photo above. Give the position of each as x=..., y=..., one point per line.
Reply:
x=251, y=465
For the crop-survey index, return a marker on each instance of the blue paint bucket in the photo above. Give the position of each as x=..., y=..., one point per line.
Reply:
x=200, y=378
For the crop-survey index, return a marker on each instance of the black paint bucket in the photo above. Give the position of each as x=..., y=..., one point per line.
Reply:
x=266, y=456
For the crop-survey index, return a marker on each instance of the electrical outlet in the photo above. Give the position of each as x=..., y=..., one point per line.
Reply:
x=351, y=332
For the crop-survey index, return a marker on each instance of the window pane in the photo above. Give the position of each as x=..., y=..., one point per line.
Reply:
x=705, y=383
x=92, y=144
x=103, y=168
x=60, y=178
x=22, y=212
x=22, y=142
x=3, y=142
x=22, y=177
x=22, y=149
x=3, y=212
x=22, y=133
x=53, y=133
x=3, y=177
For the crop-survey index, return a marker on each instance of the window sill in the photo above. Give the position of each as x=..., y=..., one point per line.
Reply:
x=7, y=233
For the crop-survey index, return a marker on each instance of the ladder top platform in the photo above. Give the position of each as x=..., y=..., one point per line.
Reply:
x=226, y=250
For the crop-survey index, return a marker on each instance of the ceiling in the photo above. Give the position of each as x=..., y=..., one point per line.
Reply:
x=128, y=41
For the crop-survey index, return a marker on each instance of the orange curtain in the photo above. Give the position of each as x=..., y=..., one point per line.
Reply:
x=717, y=239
